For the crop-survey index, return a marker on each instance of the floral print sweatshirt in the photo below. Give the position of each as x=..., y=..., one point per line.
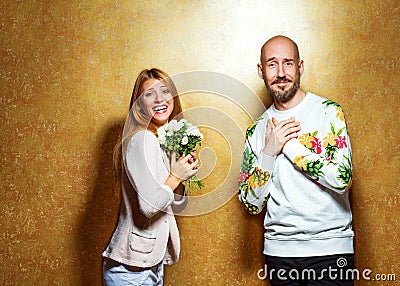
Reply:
x=304, y=188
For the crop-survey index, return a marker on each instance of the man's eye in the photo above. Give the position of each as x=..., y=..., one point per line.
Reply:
x=289, y=65
x=271, y=65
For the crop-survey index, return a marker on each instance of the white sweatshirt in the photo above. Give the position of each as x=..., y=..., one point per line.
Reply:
x=305, y=187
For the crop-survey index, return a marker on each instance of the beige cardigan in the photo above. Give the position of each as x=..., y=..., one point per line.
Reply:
x=147, y=232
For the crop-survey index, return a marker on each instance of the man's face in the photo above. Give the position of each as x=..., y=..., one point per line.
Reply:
x=280, y=69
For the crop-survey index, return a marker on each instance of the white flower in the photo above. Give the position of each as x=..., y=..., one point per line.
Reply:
x=171, y=125
x=189, y=126
x=178, y=126
x=161, y=135
x=194, y=131
x=185, y=140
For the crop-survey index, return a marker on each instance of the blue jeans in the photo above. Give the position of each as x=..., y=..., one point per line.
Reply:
x=117, y=274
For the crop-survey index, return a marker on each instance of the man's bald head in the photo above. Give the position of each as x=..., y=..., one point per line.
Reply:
x=279, y=40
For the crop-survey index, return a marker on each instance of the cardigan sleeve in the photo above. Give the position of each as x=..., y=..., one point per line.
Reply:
x=141, y=160
x=325, y=155
x=256, y=170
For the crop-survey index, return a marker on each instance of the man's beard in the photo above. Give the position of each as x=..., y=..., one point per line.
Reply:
x=283, y=96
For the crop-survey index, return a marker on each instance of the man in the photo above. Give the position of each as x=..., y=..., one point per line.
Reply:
x=297, y=164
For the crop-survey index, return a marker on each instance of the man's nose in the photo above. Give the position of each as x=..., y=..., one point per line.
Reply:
x=281, y=70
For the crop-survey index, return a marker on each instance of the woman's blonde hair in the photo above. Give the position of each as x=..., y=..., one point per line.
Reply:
x=138, y=117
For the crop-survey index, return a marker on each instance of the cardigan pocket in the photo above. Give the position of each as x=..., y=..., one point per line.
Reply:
x=142, y=240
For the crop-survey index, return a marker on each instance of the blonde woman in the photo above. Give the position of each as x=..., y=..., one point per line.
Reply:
x=147, y=236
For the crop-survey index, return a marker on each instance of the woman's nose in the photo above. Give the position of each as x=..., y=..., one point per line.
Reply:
x=159, y=97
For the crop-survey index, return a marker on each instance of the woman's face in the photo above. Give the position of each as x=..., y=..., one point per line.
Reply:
x=157, y=100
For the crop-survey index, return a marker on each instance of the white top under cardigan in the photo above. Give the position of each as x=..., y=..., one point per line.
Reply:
x=147, y=232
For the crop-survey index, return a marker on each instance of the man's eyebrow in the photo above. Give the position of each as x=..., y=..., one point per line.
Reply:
x=285, y=59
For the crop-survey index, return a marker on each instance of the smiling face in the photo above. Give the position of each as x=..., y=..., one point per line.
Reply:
x=281, y=68
x=157, y=100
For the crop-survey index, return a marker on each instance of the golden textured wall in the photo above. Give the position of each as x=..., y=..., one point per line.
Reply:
x=67, y=70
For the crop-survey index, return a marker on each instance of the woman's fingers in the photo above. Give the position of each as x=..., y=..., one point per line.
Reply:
x=189, y=161
x=194, y=164
x=173, y=156
x=193, y=154
x=185, y=159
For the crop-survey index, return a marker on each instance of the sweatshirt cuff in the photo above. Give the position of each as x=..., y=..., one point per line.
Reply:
x=266, y=162
x=291, y=149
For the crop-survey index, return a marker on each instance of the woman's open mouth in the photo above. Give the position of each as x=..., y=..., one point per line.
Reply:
x=160, y=109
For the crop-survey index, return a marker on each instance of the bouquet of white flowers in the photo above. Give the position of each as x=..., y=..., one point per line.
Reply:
x=182, y=138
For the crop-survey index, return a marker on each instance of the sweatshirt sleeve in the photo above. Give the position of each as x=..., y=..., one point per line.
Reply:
x=141, y=161
x=325, y=155
x=255, y=170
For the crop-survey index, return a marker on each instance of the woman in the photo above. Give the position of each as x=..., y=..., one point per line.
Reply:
x=147, y=235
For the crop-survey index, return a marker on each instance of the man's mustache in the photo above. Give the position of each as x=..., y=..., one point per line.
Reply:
x=281, y=79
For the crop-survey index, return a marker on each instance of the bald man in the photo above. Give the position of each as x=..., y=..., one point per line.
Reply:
x=297, y=164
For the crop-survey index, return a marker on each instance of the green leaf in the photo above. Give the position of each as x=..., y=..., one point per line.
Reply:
x=341, y=130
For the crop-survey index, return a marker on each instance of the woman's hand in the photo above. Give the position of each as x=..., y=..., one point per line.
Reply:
x=182, y=169
x=193, y=159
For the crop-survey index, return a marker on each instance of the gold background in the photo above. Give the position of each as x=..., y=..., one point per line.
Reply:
x=67, y=72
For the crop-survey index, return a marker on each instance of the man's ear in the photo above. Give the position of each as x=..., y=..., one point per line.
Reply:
x=259, y=69
x=301, y=67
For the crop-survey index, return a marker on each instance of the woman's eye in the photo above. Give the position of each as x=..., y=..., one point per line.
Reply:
x=148, y=94
x=166, y=91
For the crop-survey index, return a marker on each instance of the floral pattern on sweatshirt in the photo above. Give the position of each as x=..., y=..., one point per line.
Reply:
x=252, y=178
x=324, y=155
x=339, y=111
x=327, y=147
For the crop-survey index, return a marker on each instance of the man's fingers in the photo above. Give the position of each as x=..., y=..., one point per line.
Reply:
x=291, y=136
x=274, y=122
x=270, y=125
x=288, y=125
